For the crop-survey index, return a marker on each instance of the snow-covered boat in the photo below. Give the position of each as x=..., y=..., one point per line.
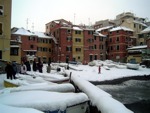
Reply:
x=48, y=102
x=132, y=66
x=68, y=87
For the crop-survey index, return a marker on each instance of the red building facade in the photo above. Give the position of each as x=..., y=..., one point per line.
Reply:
x=120, y=38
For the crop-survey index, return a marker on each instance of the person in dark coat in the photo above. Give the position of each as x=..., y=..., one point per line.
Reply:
x=9, y=70
x=14, y=65
x=40, y=66
x=27, y=63
x=34, y=65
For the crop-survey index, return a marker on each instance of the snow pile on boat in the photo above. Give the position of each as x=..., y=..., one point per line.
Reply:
x=67, y=87
x=43, y=100
x=99, y=98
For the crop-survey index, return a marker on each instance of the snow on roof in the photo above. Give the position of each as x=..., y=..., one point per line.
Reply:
x=43, y=87
x=22, y=31
x=56, y=21
x=138, y=47
x=77, y=28
x=103, y=28
x=120, y=28
x=147, y=30
x=99, y=98
x=42, y=35
x=11, y=109
x=138, y=22
x=99, y=34
x=43, y=100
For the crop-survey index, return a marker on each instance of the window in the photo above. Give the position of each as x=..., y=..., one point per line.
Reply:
x=101, y=47
x=69, y=38
x=111, y=47
x=95, y=47
x=1, y=10
x=78, y=49
x=77, y=32
x=117, y=39
x=90, y=32
x=95, y=57
x=78, y=57
x=78, y=40
x=91, y=57
x=100, y=38
x=14, y=51
x=1, y=28
x=31, y=46
x=50, y=50
x=31, y=38
x=110, y=39
x=90, y=47
x=68, y=31
x=50, y=41
x=134, y=25
x=117, y=47
x=94, y=37
x=68, y=48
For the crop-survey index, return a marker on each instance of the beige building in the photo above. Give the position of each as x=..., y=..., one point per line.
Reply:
x=129, y=20
x=5, y=26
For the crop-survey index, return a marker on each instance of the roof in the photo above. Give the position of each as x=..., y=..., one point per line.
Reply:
x=22, y=31
x=138, y=22
x=99, y=34
x=120, y=28
x=42, y=35
x=146, y=30
x=77, y=28
x=103, y=28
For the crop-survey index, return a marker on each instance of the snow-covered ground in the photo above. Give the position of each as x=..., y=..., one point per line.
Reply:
x=109, y=71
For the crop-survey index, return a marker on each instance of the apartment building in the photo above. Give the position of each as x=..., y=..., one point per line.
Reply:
x=77, y=44
x=129, y=20
x=44, y=47
x=5, y=26
x=30, y=45
x=120, y=38
x=61, y=30
x=144, y=35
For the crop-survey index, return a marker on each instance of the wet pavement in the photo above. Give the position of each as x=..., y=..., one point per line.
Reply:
x=134, y=94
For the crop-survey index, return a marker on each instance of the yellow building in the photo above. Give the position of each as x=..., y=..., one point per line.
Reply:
x=5, y=26
x=77, y=43
x=44, y=47
x=136, y=53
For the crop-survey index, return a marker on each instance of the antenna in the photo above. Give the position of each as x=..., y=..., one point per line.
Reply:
x=27, y=22
x=89, y=21
x=74, y=18
x=32, y=27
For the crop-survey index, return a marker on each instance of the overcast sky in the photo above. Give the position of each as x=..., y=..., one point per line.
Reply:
x=40, y=12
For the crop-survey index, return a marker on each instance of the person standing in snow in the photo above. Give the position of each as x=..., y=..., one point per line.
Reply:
x=34, y=65
x=9, y=70
x=27, y=63
x=14, y=65
x=23, y=68
x=40, y=66
x=48, y=68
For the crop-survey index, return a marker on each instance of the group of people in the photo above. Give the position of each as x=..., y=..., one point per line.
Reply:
x=12, y=68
